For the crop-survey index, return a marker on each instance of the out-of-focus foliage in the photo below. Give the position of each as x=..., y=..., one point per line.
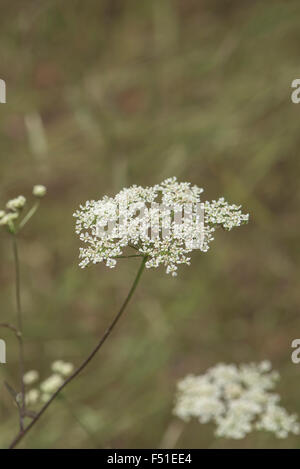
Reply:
x=102, y=94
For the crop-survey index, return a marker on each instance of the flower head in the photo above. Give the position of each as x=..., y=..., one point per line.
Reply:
x=39, y=190
x=16, y=204
x=164, y=223
x=237, y=399
x=30, y=377
x=13, y=207
x=51, y=384
x=32, y=397
x=7, y=218
x=62, y=367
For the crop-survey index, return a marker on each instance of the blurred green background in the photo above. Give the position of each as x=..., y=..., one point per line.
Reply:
x=102, y=94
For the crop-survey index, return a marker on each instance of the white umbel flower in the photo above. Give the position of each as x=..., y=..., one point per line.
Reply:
x=158, y=207
x=237, y=399
x=39, y=190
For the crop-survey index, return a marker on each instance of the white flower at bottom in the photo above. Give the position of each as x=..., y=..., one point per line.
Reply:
x=51, y=384
x=237, y=399
x=32, y=397
x=62, y=367
x=30, y=377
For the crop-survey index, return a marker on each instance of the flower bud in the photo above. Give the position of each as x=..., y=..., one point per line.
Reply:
x=39, y=190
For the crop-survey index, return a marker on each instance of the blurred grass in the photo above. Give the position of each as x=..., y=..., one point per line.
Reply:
x=104, y=94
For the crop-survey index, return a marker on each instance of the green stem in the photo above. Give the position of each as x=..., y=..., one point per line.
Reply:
x=29, y=215
x=20, y=330
x=108, y=331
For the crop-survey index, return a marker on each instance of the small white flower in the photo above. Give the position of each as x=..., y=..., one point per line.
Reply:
x=16, y=204
x=51, y=384
x=62, y=367
x=265, y=365
x=232, y=390
x=2, y=213
x=237, y=399
x=32, y=397
x=39, y=190
x=8, y=218
x=277, y=420
x=30, y=377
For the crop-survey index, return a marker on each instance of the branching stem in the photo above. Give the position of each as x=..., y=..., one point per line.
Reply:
x=108, y=331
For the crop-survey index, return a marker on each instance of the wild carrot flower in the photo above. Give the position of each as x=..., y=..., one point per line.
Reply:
x=237, y=399
x=109, y=225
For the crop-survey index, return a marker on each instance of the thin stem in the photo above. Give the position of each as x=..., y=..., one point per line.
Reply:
x=20, y=330
x=12, y=328
x=108, y=331
x=8, y=387
x=29, y=215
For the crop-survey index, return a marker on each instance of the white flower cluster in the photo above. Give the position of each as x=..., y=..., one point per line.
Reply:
x=13, y=210
x=220, y=213
x=237, y=399
x=61, y=370
x=15, y=206
x=7, y=218
x=142, y=233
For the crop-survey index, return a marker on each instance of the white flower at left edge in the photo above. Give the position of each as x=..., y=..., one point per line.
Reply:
x=16, y=204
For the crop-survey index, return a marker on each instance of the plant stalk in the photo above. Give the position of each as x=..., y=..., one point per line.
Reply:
x=107, y=333
x=22, y=407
